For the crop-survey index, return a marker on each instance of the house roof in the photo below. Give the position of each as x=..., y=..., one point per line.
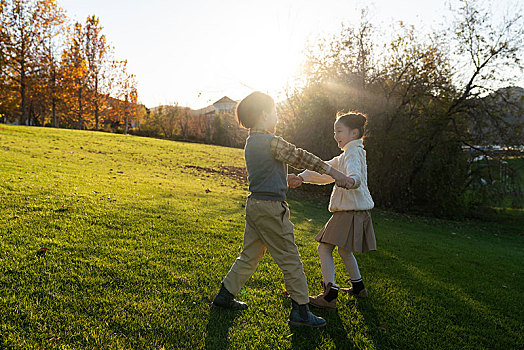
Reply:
x=203, y=111
x=225, y=99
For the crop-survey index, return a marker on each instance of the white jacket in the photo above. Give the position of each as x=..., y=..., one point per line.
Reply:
x=351, y=162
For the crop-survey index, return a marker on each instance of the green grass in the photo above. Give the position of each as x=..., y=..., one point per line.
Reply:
x=506, y=191
x=141, y=231
x=517, y=164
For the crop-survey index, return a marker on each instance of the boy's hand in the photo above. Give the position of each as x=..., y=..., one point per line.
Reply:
x=341, y=180
x=349, y=182
x=293, y=181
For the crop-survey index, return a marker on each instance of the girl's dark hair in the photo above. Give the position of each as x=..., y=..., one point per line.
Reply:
x=354, y=120
x=250, y=109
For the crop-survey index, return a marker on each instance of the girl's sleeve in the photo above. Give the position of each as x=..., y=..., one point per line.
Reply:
x=354, y=167
x=313, y=177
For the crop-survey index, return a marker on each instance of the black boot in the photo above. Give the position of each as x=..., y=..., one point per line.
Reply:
x=227, y=300
x=358, y=289
x=327, y=299
x=301, y=316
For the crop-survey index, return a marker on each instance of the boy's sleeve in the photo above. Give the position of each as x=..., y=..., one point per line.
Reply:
x=313, y=177
x=296, y=157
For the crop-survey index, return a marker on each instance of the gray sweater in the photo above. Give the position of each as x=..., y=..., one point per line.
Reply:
x=267, y=176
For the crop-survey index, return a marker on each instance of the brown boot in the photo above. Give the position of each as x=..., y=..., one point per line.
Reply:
x=362, y=294
x=357, y=290
x=326, y=299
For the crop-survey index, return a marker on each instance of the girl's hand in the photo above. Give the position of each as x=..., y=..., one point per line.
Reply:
x=293, y=181
x=346, y=183
x=349, y=181
x=341, y=180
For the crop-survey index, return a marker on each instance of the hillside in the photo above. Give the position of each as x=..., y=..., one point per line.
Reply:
x=500, y=117
x=120, y=242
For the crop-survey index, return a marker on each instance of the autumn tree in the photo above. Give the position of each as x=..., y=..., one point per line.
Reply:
x=22, y=26
x=168, y=119
x=123, y=86
x=184, y=124
x=96, y=53
x=47, y=92
x=227, y=132
x=49, y=69
x=75, y=77
x=204, y=128
x=6, y=95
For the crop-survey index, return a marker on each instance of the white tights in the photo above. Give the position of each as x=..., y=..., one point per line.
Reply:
x=327, y=263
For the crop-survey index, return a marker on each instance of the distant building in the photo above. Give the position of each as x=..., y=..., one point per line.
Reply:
x=224, y=105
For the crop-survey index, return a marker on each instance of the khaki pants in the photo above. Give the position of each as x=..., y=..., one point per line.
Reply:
x=268, y=227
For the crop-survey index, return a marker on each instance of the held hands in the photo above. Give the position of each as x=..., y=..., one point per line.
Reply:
x=341, y=180
x=293, y=181
x=348, y=183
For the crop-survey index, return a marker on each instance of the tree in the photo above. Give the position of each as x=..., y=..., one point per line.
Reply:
x=164, y=121
x=123, y=86
x=49, y=69
x=420, y=113
x=51, y=39
x=22, y=26
x=7, y=94
x=493, y=50
x=168, y=120
x=184, y=124
x=96, y=51
x=75, y=76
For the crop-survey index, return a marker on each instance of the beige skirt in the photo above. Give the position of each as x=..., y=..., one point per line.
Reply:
x=350, y=230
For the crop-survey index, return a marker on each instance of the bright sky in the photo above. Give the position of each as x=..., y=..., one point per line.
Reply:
x=195, y=51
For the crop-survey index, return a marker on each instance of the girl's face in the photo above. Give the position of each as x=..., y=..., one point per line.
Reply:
x=343, y=134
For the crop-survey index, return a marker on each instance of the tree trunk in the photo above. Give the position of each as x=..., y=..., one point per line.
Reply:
x=53, y=98
x=80, y=122
x=53, y=108
x=96, y=118
x=126, y=116
x=24, y=118
x=96, y=105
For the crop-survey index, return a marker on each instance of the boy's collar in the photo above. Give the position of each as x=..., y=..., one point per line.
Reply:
x=259, y=131
x=354, y=143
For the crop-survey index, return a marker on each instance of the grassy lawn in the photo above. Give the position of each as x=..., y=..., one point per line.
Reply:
x=140, y=232
x=508, y=184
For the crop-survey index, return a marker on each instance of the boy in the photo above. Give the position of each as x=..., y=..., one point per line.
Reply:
x=267, y=214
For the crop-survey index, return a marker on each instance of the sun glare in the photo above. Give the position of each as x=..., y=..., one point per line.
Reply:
x=269, y=70
x=267, y=52
x=277, y=67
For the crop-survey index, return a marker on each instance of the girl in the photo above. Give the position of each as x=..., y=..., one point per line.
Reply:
x=350, y=228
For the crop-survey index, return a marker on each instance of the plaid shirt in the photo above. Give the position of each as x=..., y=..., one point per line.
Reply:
x=296, y=157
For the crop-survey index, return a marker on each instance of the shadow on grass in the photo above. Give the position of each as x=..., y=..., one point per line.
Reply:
x=415, y=291
x=305, y=337
x=217, y=330
x=334, y=333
